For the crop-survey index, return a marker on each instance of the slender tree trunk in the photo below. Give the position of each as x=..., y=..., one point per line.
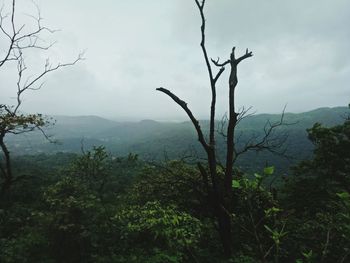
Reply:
x=7, y=169
x=224, y=222
x=230, y=155
x=219, y=205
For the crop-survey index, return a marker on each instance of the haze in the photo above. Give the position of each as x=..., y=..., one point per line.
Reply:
x=300, y=49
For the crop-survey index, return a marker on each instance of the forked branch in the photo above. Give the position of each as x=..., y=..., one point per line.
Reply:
x=270, y=141
x=243, y=57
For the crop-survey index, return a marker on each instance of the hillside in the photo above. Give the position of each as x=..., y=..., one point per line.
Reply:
x=159, y=140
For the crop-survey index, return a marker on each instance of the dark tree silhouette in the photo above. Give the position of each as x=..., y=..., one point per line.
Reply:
x=219, y=189
x=12, y=121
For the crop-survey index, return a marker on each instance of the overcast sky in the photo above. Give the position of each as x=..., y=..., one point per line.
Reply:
x=301, y=56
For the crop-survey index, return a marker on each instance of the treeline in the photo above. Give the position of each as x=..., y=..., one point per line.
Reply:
x=94, y=207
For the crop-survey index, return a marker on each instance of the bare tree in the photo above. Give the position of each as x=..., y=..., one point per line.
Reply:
x=219, y=189
x=19, y=42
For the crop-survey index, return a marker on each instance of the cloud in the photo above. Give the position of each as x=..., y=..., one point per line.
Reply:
x=133, y=47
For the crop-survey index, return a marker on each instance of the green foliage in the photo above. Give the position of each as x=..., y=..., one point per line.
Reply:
x=317, y=196
x=107, y=176
x=93, y=167
x=331, y=160
x=342, y=222
x=91, y=164
x=71, y=213
x=172, y=183
x=243, y=259
x=257, y=217
x=14, y=122
x=102, y=208
x=161, y=230
x=236, y=184
x=27, y=246
x=269, y=170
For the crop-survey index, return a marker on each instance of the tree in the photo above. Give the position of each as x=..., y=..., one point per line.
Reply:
x=218, y=185
x=331, y=154
x=329, y=169
x=318, y=196
x=155, y=232
x=19, y=43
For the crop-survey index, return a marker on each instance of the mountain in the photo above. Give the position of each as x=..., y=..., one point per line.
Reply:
x=158, y=140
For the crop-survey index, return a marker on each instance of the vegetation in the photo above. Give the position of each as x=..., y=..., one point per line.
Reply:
x=94, y=207
x=99, y=207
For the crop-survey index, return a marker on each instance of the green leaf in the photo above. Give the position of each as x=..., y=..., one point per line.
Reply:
x=257, y=176
x=343, y=195
x=236, y=184
x=272, y=211
x=269, y=170
x=307, y=255
x=268, y=229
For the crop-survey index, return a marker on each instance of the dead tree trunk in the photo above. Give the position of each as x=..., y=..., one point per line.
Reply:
x=232, y=121
x=219, y=190
x=219, y=193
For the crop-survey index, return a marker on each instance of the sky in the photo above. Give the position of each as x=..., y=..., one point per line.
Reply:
x=301, y=56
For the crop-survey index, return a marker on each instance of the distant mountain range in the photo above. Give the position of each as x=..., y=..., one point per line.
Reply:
x=158, y=140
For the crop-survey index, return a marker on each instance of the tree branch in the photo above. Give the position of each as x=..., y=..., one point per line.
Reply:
x=210, y=73
x=194, y=121
x=269, y=141
x=245, y=56
x=216, y=62
x=11, y=121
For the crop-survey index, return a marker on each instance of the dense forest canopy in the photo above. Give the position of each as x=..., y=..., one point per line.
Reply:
x=93, y=207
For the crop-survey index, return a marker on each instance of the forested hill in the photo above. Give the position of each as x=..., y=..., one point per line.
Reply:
x=157, y=140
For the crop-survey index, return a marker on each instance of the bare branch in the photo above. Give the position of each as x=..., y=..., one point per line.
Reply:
x=219, y=74
x=218, y=64
x=200, y=5
x=222, y=125
x=270, y=141
x=194, y=121
x=46, y=136
x=18, y=40
x=210, y=73
x=11, y=37
x=49, y=68
x=11, y=121
x=28, y=85
x=243, y=113
x=245, y=56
